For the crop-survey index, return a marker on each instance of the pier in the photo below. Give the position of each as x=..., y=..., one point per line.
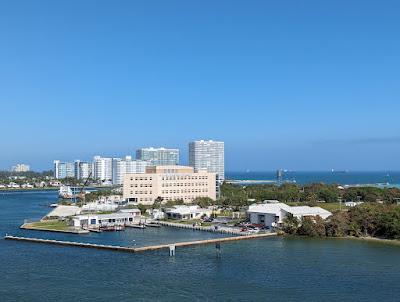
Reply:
x=137, y=249
x=219, y=229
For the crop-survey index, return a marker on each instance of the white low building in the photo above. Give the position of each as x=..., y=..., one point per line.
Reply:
x=183, y=212
x=273, y=214
x=156, y=214
x=102, y=220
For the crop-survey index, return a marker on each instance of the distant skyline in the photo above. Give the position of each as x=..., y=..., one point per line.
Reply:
x=304, y=85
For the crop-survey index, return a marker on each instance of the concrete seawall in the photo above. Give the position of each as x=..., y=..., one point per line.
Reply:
x=138, y=249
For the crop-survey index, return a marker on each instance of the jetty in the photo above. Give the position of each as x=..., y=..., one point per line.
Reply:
x=138, y=249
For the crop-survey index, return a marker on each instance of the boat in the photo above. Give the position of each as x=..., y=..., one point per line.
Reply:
x=53, y=205
x=153, y=225
x=136, y=226
x=112, y=228
x=65, y=192
x=95, y=230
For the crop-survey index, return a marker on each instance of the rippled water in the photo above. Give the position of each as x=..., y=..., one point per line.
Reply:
x=272, y=269
x=344, y=178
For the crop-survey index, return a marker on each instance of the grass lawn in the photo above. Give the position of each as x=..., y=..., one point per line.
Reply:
x=57, y=225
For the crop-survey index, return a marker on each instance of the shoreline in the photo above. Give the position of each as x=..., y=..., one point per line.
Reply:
x=372, y=239
x=29, y=226
x=365, y=239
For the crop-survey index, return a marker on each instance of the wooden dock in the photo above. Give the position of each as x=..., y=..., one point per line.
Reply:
x=137, y=249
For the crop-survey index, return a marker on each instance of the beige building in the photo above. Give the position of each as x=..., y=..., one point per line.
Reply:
x=169, y=183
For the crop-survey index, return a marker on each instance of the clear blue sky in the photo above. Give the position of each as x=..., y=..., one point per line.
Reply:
x=304, y=85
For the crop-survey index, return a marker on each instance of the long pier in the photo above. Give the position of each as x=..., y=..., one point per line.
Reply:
x=137, y=249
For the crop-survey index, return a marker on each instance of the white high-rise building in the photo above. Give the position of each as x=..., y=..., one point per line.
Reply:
x=208, y=155
x=102, y=168
x=63, y=169
x=120, y=167
x=83, y=170
x=159, y=156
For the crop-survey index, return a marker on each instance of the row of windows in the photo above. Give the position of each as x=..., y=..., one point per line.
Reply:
x=145, y=199
x=183, y=177
x=191, y=197
x=171, y=198
x=191, y=184
x=142, y=178
x=184, y=191
x=142, y=185
x=142, y=192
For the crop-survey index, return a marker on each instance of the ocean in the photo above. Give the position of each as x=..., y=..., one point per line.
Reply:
x=277, y=269
x=380, y=178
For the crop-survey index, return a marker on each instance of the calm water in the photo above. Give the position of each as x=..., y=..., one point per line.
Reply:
x=273, y=269
x=348, y=178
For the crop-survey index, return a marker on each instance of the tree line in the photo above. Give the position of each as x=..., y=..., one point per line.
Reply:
x=238, y=196
x=370, y=219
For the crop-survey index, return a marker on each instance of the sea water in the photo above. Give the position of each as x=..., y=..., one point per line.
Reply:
x=270, y=269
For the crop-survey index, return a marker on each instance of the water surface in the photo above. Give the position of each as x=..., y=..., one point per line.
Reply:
x=272, y=269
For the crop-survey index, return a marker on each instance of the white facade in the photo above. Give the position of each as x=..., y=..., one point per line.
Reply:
x=208, y=155
x=273, y=214
x=63, y=169
x=120, y=167
x=102, y=167
x=83, y=169
x=102, y=220
x=183, y=212
x=158, y=156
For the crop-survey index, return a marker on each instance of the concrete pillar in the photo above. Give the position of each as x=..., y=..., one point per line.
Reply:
x=172, y=250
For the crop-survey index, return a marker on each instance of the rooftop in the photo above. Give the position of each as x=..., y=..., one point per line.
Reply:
x=276, y=208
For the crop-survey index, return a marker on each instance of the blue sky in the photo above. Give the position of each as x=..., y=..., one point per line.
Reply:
x=302, y=85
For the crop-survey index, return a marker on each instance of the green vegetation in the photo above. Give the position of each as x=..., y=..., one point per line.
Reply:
x=369, y=219
x=171, y=203
x=331, y=206
x=237, y=196
x=57, y=225
x=203, y=202
x=92, y=196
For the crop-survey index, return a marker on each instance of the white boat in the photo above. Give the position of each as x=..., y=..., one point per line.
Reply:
x=65, y=192
x=54, y=205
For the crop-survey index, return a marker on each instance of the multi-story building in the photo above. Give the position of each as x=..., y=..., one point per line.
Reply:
x=83, y=170
x=169, y=183
x=102, y=168
x=20, y=168
x=208, y=155
x=158, y=156
x=120, y=167
x=63, y=169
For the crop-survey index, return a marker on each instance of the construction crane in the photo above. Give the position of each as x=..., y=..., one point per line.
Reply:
x=81, y=194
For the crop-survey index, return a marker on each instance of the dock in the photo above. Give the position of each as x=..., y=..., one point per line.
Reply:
x=219, y=229
x=137, y=249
